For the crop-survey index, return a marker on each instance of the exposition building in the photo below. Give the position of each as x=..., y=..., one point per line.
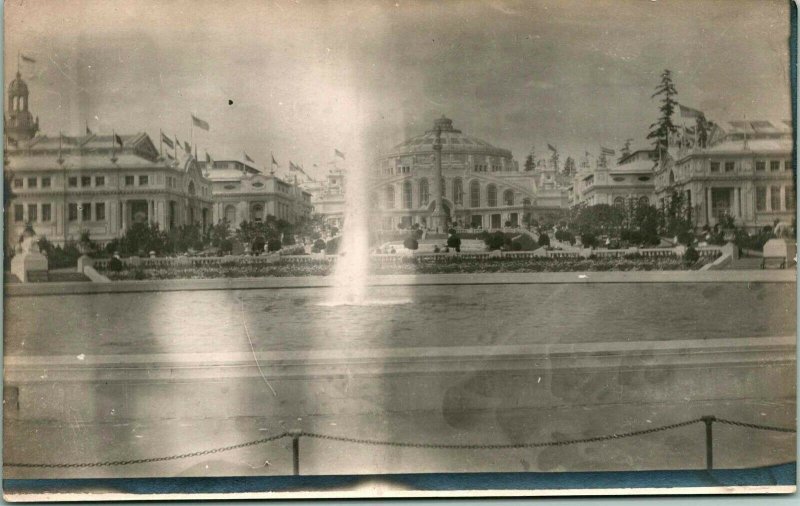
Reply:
x=244, y=193
x=479, y=185
x=63, y=185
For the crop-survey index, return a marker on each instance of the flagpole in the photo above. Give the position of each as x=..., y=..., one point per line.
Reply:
x=160, y=143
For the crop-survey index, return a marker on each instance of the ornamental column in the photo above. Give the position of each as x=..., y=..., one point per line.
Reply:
x=438, y=218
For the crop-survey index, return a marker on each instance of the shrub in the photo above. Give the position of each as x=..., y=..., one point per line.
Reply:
x=524, y=243
x=332, y=246
x=436, y=249
x=225, y=246
x=496, y=240
x=318, y=246
x=273, y=245
x=544, y=240
x=411, y=243
x=589, y=240
x=115, y=264
x=565, y=236
x=454, y=241
x=691, y=256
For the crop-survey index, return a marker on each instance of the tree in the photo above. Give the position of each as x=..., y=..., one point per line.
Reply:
x=569, y=166
x=529, y=163
x=411, y=243
x=661, y=130
x=454, y=241
x=220, y=232
x=703, y=127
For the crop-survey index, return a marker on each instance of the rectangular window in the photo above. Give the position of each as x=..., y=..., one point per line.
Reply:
x=32, y=182
x=774, y=165
x=18, y=183
x=787, y=165
x=86, y=181
x=714, y=166
x=32, y=214
x=86, y=211
x=72, y=181
x=72, y=212
x=761, y=198
x=775, y=198
x=19, y=213
x=729, y=166
x=100, y=211
x=47, y=213
x=761, y=165
x=790, y=197
x=46, y=182
x=99, y=181
x=129, y=180
x=142, y=180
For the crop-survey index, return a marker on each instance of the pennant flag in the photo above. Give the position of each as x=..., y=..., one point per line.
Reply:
x=607, y=151
x=688, y=112
x=170, y=156
x=118, y=140
x=27, y=59
x=274, y=162
x=200, y=123
x=248, y=158
x=88, y=131
x=166, y=140
x=551, y=148
x=338, y=153
x=293, y=167
x=187, y=147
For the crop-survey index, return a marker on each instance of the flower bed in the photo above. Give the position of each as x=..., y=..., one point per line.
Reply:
x=450, y=264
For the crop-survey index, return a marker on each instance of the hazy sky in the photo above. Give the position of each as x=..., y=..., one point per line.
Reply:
x=306, y=77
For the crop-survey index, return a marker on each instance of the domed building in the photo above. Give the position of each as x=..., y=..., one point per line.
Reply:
x=481, y=185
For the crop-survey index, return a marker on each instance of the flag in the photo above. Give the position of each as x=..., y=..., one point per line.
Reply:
x=607, y=151
x=27, y=59
x=208, y=158
x=88, y=131
x=274, y=162
x=187, y=147
x=166, y=140
x=249, y=159
x=293, y=167
x=200, y=123
x=551, y=148
x=118, y=140
x=338, y=153
x=688, y=112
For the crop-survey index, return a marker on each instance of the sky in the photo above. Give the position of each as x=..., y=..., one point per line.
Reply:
x=299, y=79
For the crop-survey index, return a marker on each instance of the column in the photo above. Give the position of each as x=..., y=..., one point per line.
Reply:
x=124, y=215
x=735, y=191
x=708, y=205
x=438, y=218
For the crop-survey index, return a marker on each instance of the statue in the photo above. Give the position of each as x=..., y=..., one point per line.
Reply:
x=28, y=259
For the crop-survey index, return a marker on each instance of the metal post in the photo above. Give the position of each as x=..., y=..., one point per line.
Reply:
x=296, y=433
x=709, y=421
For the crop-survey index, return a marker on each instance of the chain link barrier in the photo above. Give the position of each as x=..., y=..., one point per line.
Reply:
x=754, y=425
x=296, y=435
x=438, y=446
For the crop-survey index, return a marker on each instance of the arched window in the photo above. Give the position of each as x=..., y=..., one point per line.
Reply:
x=491, y=195
x=424, y=196
x=389, y=197
x=671, y=177
x=458, y=191
x=191, y=188
x=230, y=215
x=508, y=198
x=475, y=194
x=619, y=202
x=526, y=202
x=644, y=201
x=407, y=195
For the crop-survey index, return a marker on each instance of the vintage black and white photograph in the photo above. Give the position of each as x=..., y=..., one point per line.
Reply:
x=304, y=248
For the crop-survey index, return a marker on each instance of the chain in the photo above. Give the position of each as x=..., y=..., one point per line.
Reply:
x=754, y=426
x=154, y=459
x=608, y=437
x=376, y=442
